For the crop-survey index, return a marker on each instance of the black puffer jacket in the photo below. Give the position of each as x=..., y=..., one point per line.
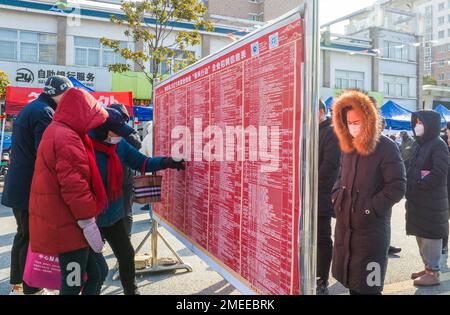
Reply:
x=427, y=205
x=329, y=155
x=371, y=180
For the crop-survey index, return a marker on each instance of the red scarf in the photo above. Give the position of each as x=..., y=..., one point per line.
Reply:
x=96, y=179
x=113, y=169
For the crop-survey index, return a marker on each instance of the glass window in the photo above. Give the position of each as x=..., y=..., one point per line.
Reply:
x=47, y=38
x=28, y=52
x=108, y=57
x=441, y=20
x=27, y=46
x=6, y=34
x=8, y=44
x=396, y=86
x=80, y=56
x=441, y=6
x=93, y=57
x=47, y=53
x=441, y=34
x=90, y=52
x=87, y=42
x=31, y=37
x=8, y=50
x=349, y=79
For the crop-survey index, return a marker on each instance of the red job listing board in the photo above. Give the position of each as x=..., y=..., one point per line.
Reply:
x=237, y=118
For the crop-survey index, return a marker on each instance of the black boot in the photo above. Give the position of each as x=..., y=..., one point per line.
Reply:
x=322, y=287
x=394, y=250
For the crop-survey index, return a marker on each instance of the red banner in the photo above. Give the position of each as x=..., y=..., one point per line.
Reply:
x=18, y=97
x=238, y=204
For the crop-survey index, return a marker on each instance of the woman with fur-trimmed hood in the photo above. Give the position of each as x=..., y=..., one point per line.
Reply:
x=370, y=182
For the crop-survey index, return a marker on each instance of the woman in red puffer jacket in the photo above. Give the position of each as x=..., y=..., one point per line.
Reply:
x=67, y=194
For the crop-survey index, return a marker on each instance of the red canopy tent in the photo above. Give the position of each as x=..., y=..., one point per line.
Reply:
x=18, y=97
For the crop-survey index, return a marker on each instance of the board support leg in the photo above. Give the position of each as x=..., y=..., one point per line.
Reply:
x=157, y=264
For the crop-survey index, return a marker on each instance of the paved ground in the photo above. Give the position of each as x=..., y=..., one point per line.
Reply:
x=408, y=261
x=204, y=280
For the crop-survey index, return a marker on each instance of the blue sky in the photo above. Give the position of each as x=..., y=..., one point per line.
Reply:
x=333, y=9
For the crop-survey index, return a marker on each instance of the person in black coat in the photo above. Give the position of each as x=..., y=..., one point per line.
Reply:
x=329, y=155
x=371, y=180
x=28, y=129
x=447, y=141
x=427, y=212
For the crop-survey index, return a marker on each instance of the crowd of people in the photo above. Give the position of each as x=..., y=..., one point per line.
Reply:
x=71, y=175
x=362, y=175
x=70, y=187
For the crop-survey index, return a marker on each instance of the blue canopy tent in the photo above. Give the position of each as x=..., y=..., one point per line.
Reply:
x=397, y=117
x=445, y=114
x=7, y=141
x=78, y=84
x=143, y=113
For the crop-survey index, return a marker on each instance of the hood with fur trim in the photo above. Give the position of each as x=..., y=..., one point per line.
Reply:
x=371, y=125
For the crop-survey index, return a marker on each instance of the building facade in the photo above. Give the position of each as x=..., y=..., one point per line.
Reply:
x=254, y=10
x=435, y=18
x=37, y=40
x=379, y=51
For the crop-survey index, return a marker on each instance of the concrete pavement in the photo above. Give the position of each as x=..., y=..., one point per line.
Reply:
x=204, y=280
x=406, y=262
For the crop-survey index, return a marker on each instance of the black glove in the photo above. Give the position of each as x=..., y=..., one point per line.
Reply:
x=134, y=140
x=168, y=162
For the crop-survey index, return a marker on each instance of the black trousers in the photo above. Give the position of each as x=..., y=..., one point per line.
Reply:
x=117, y=237
x=128, y=207
x=74, y=265
x=19, y=250
x=324, y=247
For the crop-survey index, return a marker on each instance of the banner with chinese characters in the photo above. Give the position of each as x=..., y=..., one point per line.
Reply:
x=235, y=118
x=34, y=75
x=18, y=97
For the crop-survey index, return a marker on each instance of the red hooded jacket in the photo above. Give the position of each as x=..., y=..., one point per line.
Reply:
x=61, y=190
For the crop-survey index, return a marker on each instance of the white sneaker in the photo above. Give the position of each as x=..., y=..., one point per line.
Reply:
x=46, y=292
x=16, y=289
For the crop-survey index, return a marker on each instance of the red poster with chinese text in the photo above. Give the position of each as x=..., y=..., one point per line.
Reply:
x=235, y=118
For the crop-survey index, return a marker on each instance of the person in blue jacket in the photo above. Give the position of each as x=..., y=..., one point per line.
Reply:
x=112, y=152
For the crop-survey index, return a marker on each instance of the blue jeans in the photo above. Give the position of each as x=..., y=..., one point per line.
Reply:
x=430, y=251
x=74, y=265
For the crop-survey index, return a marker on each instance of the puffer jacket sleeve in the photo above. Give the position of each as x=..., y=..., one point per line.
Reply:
x=135, y=160
x=439, y=165
x=73, y=173
x=394, y=180
x=329, y=167
x=42, y=120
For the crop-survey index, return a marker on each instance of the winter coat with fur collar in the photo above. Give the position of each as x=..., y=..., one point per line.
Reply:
x=371, y=180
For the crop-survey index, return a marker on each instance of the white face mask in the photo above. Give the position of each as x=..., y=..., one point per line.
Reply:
x=354, y=130
x=114, y=140
x=420, y=130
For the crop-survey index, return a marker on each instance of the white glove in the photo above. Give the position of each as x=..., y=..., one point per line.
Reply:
x=92, y=234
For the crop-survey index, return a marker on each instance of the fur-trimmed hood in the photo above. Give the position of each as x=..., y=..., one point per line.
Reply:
x=371, y=126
